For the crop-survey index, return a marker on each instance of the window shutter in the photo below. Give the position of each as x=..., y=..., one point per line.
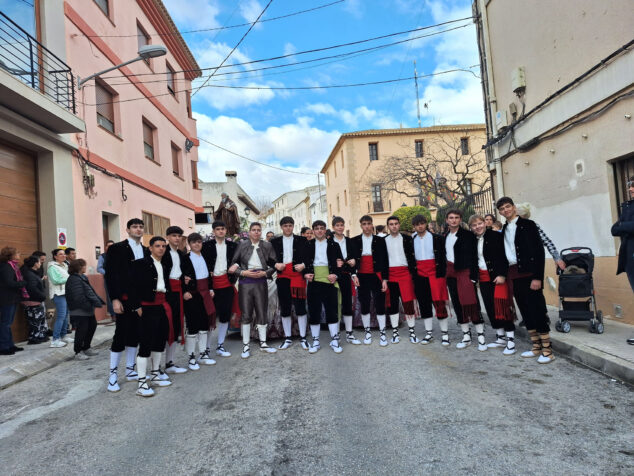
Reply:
x=104, y=99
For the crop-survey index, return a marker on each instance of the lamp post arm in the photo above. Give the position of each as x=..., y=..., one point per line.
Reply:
x=80, y=83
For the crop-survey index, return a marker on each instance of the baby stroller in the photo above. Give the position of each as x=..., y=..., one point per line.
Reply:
x=576, y=282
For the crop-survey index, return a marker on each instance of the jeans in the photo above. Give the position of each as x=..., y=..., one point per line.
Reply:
x=7, y=313
x=60, y=329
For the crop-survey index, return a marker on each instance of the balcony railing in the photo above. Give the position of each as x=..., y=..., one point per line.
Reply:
x=35, y=65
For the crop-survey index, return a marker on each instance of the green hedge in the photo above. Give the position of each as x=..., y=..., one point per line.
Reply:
x=405, y=215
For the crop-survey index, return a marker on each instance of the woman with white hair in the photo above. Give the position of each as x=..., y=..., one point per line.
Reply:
x=524, y=210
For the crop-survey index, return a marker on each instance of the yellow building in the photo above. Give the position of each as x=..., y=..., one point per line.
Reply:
x=375, y=172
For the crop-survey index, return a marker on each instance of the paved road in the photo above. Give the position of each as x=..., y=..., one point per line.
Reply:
x=370, y=410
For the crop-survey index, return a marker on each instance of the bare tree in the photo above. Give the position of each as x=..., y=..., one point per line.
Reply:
x=264, y=204
x=440, y=171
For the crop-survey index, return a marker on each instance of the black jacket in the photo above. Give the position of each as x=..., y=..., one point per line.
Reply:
x=528, y=248
x=119, y=259
x=144, y=278
x=408, y=248
x=494, y=256
x=81, y=296
x=298, y=248
x=186, y=268
x=9, y=286
x=333, y=251
x=193, y=283
x=624, y=228
x=34, y=284
x=440, y=253
x=210, y=254
x=351, y=251
x=465, y=252
x=379, y=254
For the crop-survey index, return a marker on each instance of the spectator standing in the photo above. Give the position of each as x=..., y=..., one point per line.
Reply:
x=42, y=273
x=33, y=309
x=71, y=255
x=57, y=276
x=12, y=291
x=101, y=269
x=82, y=300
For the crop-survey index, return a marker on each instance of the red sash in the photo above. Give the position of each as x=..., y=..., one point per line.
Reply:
x=175, y=286
x=298, y=284
x=159, y=300
x=501, y=302
x=466, y=292
x=401, y=275
x=222, y=282
x=367, y=265
x=427, y=269
x=202, y=286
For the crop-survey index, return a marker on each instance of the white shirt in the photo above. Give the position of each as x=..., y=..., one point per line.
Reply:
x=254, y=261
x=450, y=241
x=200, y=266
x=220, y=267
x=382, y=235
x=367, y=245
x=424, y=247
x=509, y=241
x=321, y=253
x=287, y=247
x=160, y=282
x=175, y=273
x=137, y=248
x=481, y=263
x=395, y=252
x=342, y=245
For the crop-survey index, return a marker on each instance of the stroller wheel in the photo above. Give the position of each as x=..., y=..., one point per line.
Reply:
x=565, y=326
x=600, y=328
x=558, y=326
x=592, y=327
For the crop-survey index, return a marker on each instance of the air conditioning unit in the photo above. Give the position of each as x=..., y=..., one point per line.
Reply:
x=500, y=120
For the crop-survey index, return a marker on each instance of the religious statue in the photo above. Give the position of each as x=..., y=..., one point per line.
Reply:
x=228, y=213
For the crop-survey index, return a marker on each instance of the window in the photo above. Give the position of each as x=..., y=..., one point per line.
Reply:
x=188, y=99
x=464, y=145
x=176, y=152
x=345, y=198
x=170, y=80
x=623, y=170
x=327, y=178
x=377, y=200
x=103, y=6
x=342, y=160
x=374, y=150
x=194, y=174
x=105, y=107
x=143, y=39
x=338, y=204
x=468, y=186
x=148, y=141
x=335, y=166
x=368, y=207
x=155, y=225
x=418, y=145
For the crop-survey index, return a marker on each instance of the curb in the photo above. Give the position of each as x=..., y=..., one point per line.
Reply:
x=22, y=368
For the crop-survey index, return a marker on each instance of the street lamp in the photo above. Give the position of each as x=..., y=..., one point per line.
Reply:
x=145, y=52
x=247, y=212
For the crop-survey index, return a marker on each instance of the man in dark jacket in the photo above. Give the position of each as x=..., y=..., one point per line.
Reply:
x=119, y=261
x=624, y=228
x=525, y=253
x=462, y=274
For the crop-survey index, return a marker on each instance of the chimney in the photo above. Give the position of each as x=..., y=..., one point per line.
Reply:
x=232, y=175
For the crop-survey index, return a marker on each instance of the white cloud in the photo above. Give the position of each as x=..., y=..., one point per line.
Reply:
x=360, y=116
x=298, y=146
x=290, y=49
x=355, y=7
x=250, y=10
x=196, y=14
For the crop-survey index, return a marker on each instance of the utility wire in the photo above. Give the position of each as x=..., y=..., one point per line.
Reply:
x=323, y=58
x=234, y=48
x=300, y=88
x=255, y=161
x=316, y=50
x=319, y=7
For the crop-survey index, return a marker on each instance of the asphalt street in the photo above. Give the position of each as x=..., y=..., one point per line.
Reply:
x=404, y=409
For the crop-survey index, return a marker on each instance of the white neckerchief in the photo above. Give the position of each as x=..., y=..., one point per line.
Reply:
x=342, y=245
x=509, y=241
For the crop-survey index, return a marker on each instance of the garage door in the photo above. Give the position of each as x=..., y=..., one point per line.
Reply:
x=18, y=210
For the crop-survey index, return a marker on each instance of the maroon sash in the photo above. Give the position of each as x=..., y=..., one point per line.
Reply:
x=202, y=286
x=159, y=300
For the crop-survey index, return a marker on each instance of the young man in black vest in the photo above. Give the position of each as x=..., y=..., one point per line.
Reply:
x=148, y=290
x=372, y=277
x=321, y=272
x=525, y=253
x=348, y=270
x=175, y=260
x=400, y=253
x=291, y=286
x=218, y=253
x=462, y=274
x=430, y=284
x=118, y=281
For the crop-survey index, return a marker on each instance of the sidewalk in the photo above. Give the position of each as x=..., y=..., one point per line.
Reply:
x=38, y=358
x=608, y=352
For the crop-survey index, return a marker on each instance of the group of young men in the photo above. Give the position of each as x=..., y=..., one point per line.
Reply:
x=162, y=295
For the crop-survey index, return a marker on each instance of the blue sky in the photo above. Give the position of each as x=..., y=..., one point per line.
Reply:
x=297, y=129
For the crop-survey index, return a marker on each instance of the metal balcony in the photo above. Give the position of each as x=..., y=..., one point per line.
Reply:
x=23, y=57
